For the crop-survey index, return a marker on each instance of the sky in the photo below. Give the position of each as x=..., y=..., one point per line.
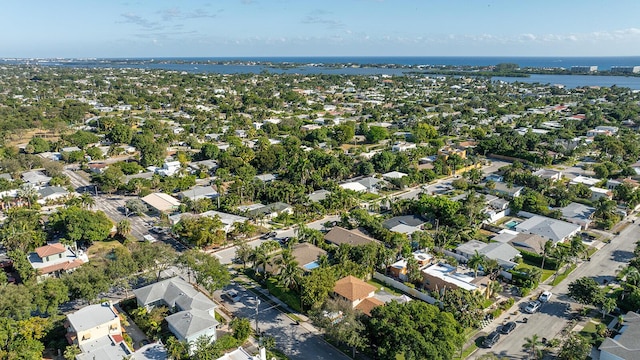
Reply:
x=244, y=28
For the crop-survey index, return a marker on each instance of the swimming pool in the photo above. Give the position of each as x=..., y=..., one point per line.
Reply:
x=512, y=224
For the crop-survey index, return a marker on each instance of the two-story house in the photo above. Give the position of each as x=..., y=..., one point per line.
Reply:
x=55, y=259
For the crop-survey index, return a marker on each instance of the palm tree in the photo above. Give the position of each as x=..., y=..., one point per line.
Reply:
x=87, y=201
x=123, y=228
x=545, y=251
x=28, y=193
x=533, y=345
x=290, y=274
x=631, y=275
x=475, y=261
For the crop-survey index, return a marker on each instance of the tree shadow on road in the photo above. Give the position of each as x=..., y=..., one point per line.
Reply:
x=622, y=256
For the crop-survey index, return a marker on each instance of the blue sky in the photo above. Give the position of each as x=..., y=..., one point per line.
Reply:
x=220, y=28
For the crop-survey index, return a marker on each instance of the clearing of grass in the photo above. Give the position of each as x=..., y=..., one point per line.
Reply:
x=101, y=248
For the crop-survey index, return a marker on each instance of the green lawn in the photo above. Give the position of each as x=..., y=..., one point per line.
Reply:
x=379, y=285
x=545, y=273
x=562, y=276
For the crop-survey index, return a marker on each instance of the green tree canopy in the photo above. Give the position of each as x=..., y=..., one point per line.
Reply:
x=416, y=330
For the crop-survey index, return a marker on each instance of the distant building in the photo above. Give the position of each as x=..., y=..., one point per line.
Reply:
x=625, y=69
x=584, y=69
x=578, y=214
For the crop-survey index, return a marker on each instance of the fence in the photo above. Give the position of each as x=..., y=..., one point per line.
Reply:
x=404, y=288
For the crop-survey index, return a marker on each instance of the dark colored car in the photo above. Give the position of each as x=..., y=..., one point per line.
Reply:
x=491, y=339
x=508, y=327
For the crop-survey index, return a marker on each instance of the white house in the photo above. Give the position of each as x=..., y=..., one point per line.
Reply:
x=169, y=168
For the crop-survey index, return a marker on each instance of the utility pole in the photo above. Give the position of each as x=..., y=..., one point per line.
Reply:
x=257, y=312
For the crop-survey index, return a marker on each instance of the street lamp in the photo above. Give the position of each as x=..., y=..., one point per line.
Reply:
x=257, y=312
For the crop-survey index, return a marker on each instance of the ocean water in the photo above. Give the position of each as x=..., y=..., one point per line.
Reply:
x=320, y=65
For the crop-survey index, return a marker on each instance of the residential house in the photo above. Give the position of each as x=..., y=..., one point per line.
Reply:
x=358, y=293
x=505, y=189
x=589, y=181
x=598, y=193
x=242, y=354
x=305, y=254
x=51, y=193
x=372, y=184
x=624, y=345
x=614, y=183
x=527, y=242
x=199, y=192
x=97, y=331
x=354, y=186
x=403, y=146
x=169, y=168
x=399, y=268
x=407, y=224
x=266, y=178
x=161, y=202
x=579, y=214
x=552, y=229
x=550, y=174
x=393, y=175
x=447, y=151
x=153, y=351
x=503, y=253
x=318, y=195
x=441, y=276
x=270, y=211
x=228, y=220
x=55, y=259
x=35, y=178
x=339, y=235
x=192, y=313
x=98, y=168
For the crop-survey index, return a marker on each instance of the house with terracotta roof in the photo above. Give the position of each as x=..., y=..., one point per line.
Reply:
x=358, y=293
x=55, y=259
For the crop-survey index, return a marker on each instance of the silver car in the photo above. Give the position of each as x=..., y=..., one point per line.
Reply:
x=532, y=307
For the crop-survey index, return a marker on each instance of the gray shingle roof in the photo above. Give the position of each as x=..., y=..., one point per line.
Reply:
x=188, y=323
x=625, y=345
x=91, y=316
x=410, y=220
x=556, y=230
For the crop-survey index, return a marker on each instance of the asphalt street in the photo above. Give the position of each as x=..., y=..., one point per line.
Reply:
x=552, y=319
x=293, y=339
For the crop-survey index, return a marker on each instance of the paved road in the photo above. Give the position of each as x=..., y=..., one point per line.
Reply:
x=551, y=319
x=113, y=207
x=294, y=340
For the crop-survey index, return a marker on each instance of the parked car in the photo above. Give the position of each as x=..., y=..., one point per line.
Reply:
x=545, y=296
x=508, y=327
x=233, y=295
x=491, y=339
x=532, y=307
